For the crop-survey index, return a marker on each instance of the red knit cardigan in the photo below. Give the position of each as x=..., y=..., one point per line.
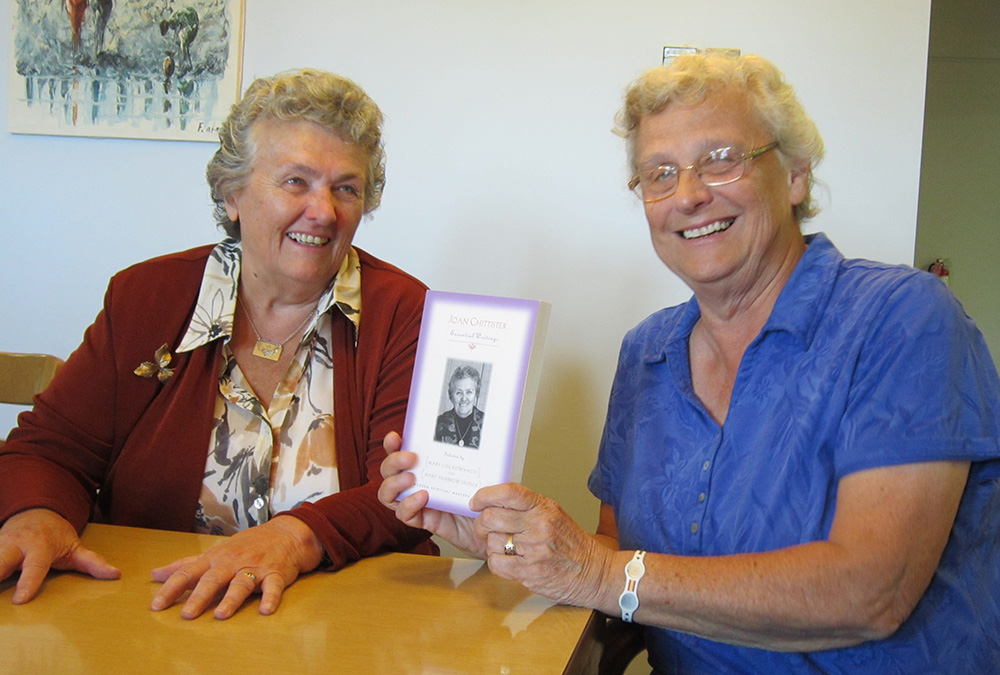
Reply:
x=104, y=444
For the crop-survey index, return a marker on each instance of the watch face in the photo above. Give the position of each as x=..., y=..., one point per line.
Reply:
x=635, y=569
x=629, y=602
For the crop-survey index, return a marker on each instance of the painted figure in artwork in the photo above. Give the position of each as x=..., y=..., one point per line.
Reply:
x=103, y=8
x=184, y=23
x=77, y=11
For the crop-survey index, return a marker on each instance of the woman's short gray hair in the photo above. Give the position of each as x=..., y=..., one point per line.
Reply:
x=690, y=79
x=335, y=103
x=464, y=373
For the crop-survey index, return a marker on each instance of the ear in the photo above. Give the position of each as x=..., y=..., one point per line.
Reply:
x=798, y=184
x=231, y=209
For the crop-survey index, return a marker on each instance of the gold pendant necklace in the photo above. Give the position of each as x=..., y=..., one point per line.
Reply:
x=458, y=428
x=268, y=349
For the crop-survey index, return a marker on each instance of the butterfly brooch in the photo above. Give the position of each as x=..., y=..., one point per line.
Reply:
x=159, y=368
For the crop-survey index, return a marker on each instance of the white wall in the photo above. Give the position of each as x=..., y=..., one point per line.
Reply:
x=504, y=177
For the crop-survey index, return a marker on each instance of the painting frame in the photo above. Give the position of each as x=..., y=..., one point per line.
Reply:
x=143, y=69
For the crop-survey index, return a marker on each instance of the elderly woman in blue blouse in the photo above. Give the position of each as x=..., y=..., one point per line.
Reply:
x=463, y=424
x=800, y=468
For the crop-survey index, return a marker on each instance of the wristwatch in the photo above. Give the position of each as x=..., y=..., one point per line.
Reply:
x=629, y=599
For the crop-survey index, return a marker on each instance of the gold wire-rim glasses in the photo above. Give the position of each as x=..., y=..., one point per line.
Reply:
x=739, y=162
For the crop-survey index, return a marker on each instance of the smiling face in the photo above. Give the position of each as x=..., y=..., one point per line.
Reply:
x=727, y=238
x=300, y=208
x=463, y=396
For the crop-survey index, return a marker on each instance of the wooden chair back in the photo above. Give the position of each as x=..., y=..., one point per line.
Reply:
x=24, y=375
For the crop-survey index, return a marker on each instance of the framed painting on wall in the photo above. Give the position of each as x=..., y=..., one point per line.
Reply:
x=160, y=69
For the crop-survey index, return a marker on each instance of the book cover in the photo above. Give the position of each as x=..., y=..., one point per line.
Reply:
x=473, y=394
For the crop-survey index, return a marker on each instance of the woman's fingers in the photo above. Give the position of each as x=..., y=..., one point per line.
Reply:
x=271, y=588
x=241, y=586
x=178, y=577
x=37, y=540
x=84, y=560
x=268, y=557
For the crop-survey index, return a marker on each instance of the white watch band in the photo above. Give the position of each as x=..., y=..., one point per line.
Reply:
x=629, y=599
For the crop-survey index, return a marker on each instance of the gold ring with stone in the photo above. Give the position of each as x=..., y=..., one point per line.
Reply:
x=508, y=548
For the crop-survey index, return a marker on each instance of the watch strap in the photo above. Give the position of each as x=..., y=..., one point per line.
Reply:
x=628, y=601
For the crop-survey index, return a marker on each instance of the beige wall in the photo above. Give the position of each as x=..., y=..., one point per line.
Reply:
x=959, y=206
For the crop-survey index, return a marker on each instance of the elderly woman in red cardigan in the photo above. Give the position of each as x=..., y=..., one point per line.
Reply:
x=241, y=389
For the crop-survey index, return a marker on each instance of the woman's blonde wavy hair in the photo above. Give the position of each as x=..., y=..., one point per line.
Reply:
x=692, y=78
x=335, y=103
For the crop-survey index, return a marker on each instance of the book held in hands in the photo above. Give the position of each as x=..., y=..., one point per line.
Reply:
x=473, y=393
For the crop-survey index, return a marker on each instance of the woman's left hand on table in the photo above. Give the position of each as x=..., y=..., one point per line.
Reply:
x=266, y=559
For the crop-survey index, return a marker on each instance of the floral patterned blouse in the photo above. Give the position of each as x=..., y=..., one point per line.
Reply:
x=261, y=462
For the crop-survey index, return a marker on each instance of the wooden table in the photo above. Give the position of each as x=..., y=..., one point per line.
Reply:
x=396, y=613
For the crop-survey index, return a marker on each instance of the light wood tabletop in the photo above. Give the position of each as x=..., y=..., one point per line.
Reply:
x=396, y=613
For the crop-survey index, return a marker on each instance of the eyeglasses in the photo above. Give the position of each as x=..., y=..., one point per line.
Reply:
x=718, y=167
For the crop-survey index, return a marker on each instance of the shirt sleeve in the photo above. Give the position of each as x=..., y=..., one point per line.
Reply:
x=924, y=386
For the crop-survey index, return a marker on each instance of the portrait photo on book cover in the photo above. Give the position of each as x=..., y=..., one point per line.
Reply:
x=463, y=403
